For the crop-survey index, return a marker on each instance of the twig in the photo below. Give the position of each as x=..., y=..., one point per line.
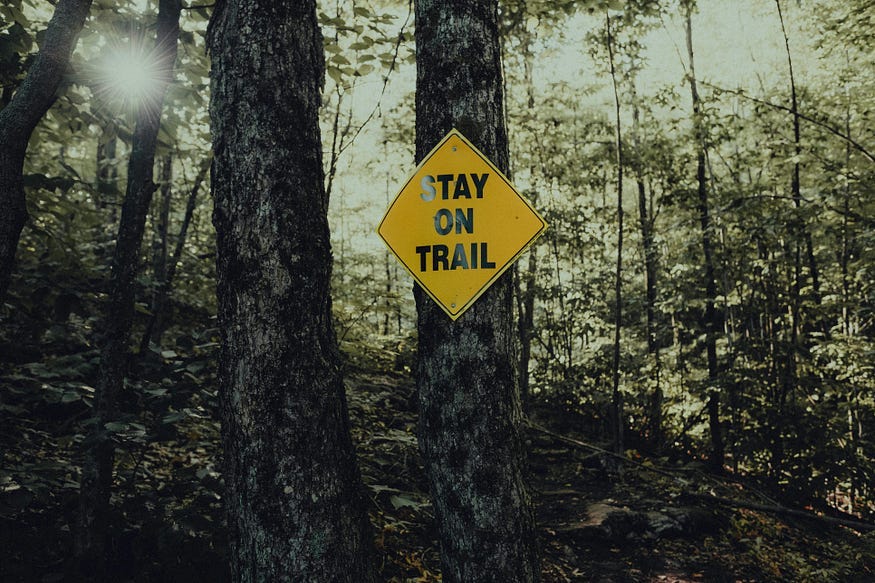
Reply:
x=600, y=450
x=395, y=51
x=356, y=320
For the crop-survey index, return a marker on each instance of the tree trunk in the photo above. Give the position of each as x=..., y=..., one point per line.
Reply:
x=711, y=315
x=161, y=222
x=107, y=175
x=648, y=246
x=469, y=427
x=295, y=501
x=21, y=115
x=157, y=321
x=649, y=253
x=645, y=222
x=97, y=468
x=525, y=292
x=616, y=396
x=796, y=189
x=846, y=238
x=525, y=283
x=107, y=192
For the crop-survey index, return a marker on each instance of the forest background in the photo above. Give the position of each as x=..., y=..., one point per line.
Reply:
x=725, y=300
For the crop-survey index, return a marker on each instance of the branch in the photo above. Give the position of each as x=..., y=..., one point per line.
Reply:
x=866, y=221
x=186, y=221
x=531, y=424
x=772, y=508
x=821, y=124
x=39, y=89
x=783, y=510
x=356, y=320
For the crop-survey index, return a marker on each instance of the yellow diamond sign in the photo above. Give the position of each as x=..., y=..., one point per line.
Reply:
x=458, y=223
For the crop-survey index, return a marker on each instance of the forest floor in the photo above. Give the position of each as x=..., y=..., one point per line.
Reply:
x=600, y=519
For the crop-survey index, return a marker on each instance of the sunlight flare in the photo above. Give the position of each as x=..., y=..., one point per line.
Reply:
x=129, y=75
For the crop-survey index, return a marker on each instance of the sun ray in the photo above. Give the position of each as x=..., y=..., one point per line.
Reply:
x=127, y=74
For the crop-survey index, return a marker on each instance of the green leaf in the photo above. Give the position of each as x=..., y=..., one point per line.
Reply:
x=335, y=73
x=361, y=45
x=364, y=70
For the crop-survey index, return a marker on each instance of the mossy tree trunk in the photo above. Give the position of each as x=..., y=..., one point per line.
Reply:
x=469, y=429
x=295, y=502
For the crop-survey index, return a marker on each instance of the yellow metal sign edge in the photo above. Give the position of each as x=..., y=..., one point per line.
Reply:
x=464, y=307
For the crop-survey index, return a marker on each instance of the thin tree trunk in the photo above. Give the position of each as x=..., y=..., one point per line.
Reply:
x=567, y=347
x=795, y=183
x=845, y=257
x=647, y=242
x=162, y=218
x=525, y=279
x=107, y=193
x=648, y=245
x=616, y=396
x=107, y=173
x=469, y=425
x=161, y=222
x=526, y=322
x=99, y=455
x=711, y=315
x=387, y=260
x=296, y=506
x=645, y=222
x=25, y=109
x=156, y=324
x=387, y=267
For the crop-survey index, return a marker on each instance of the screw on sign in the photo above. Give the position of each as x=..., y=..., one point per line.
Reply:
x=458, y=223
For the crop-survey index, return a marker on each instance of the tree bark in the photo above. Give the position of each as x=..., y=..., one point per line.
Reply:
x=295, y=502
x=96, y=479
x=21, y=115
x=711, y=315
x=469, y=427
